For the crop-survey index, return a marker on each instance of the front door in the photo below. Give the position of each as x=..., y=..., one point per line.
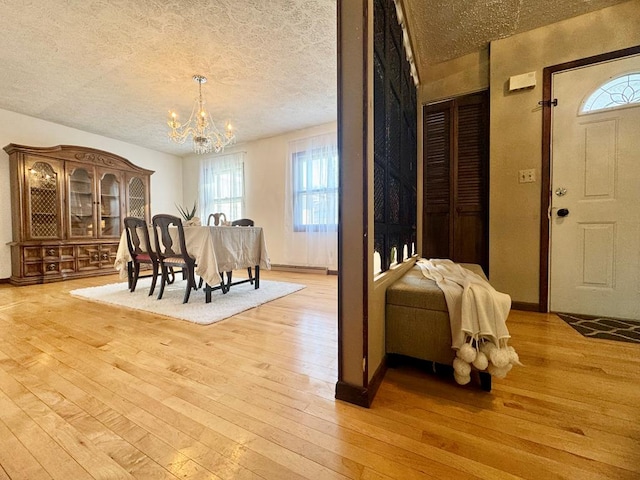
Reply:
x=595, y=191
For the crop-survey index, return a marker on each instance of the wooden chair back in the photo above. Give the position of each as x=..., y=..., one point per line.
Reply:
x=141, y=251
x=242, y=222
x=171, y=255
x=217, y=219
x=164, y=242
x=133, y=227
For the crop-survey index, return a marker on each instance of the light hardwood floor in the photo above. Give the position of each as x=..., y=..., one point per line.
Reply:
x=93, y=391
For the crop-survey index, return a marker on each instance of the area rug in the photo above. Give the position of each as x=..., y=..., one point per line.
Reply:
x=238, y=299
x=606, y=328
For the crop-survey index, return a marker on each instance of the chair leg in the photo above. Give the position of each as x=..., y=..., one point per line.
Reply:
x=250, y=275
x=134, y=277
x=172, y=278
x=191, y=283
x=154, y=280
x=129, y=274
x=162, y=281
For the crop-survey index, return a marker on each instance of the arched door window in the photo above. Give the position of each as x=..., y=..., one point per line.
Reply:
x=618, y=92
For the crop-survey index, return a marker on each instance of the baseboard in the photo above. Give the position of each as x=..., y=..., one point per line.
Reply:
x=352, y=394
x=300, y=269
x=4, y=280
x=525, y=306
x=376, y=380
x=361, y=396
x=332, y=272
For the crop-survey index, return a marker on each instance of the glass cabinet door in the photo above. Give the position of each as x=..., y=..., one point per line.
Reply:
x=110, y=214
x=81, y=203
x=137, y=198
x=43, y=201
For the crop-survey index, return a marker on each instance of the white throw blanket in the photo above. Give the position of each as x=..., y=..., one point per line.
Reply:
x=476, y=309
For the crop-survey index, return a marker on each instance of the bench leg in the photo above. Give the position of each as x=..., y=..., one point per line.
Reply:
x=485, y=381
x=393, y=360
x=447, y=370
x=442, y=370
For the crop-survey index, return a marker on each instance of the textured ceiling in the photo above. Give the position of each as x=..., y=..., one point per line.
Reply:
x=442, y=30
x=115, y=67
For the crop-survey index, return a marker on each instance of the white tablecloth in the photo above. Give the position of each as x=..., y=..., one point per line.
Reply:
x=216, y=250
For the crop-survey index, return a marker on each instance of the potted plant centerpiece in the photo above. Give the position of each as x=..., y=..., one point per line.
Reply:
x=189, y=216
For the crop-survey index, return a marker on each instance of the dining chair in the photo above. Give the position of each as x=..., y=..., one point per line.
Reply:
x=141, y=252
x=243, y=222
x=170, y=256
x=217, y=219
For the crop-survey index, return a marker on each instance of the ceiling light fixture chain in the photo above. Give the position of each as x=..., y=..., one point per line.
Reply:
x=200, y=126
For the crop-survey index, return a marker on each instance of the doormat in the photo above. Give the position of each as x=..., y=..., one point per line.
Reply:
x=602, y=327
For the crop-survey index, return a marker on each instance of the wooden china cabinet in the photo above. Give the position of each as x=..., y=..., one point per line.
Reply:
x=68, y=204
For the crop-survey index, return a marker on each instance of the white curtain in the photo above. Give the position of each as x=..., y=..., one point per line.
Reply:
x=311, y=202
x=222, y=186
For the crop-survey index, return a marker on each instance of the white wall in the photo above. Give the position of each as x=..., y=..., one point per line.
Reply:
x=264, y=170
x=166, y=182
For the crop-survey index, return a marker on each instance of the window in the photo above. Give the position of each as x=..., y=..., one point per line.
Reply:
x=311, y=202
x=222, y=186
x=619, y=92
x=315, y=188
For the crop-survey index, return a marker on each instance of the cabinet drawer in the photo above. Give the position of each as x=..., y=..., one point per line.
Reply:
x=59, y=267
x=94, y=252
x=32, y=254
x=51, y=268
x=33, y=269
x=85, y=264
x=88, y=257
x=47, y=252
x=96, y=256
x=88, y=251
x=50, y=252
x=108, y=255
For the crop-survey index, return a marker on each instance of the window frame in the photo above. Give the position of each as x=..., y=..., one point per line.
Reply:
x=298, y=158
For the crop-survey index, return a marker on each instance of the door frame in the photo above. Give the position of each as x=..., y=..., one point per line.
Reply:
x=545, y=196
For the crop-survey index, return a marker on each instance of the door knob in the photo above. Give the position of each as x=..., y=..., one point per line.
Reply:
x=563, y=212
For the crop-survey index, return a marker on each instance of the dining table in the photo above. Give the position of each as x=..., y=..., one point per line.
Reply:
x=217, y=249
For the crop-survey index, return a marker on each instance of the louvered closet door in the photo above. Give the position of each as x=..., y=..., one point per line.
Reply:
x=456, y=179
x=437, y=183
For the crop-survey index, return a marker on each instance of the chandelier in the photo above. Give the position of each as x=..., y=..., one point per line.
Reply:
x=200, y=126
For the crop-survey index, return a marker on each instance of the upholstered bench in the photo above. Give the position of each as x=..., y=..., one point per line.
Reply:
x=417, y=321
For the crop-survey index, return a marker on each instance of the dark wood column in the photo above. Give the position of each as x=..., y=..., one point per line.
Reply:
x=352, y=235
